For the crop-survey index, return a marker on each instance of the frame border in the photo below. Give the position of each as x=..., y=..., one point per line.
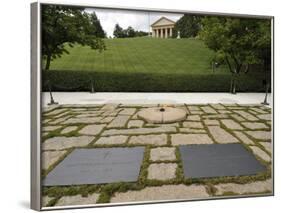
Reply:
x=36, y=101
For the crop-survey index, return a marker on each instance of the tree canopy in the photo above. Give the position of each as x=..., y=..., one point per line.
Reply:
x=97, y=28
x=188, y=26
x=130, y=32
x=237, y=41
x=63, y=26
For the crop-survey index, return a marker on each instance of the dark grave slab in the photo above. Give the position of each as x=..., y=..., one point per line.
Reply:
x=97, y=166
x=218, y=160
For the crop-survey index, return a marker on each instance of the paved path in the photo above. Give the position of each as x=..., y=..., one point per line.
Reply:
x=148, y=98
x=161, y=176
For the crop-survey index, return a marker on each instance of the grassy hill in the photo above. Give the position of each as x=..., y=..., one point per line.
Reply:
x=145, y=64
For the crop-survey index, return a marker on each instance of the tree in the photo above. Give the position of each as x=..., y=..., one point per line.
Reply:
x=188, y=26
x=118, y=32
x=130, y=32
x=63, y=26
x=140, y=33
x=235, y=41
x=97, y=28
x=263, y=45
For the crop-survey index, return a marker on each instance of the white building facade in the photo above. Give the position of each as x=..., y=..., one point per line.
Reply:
x=162, y=28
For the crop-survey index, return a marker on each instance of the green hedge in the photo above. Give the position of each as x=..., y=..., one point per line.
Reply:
x=62, y=80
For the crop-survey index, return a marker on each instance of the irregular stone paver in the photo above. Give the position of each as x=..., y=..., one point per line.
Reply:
x=218, y=106
x=59, y=120
x=162, y=125
x=135, y=123
x=45, y=200
x=45, y=133
x=243, y=137
x=149, y=139
x=189, y=130
x=162, y=154
x=110, y=113
x=109, y=107
x=254, y=187
x=189, y=124
x=119, y=121
x=139, y=131
x=61, y=114
x=181, y=139
x=165, y=192
x=216, y=116
x=195, y=108
x=48, y=109
x=87, y=120
x=193, y=112
x=253, y=112
x=77, y=200
x=260, y=135
x=69, y=129
x=162, y=171
x=50, y=128
x=55, y=112
x=266, y=145
x=211, y=122
x=45, y=121
x=258, y=110
x=208, y=110
x=94, y=129
x=50, y=157
x=221, y=136
x=260, y=153
x=246, y=115
x=128, y=111
x=231, y=124
x=193, y=117
x=58, y=143
x=106, y=119
x=254, y=125
x=237, y=117
x=119, y=139
x=266, y=117
x=224, y=112
x=86, y=115
x=78, y=109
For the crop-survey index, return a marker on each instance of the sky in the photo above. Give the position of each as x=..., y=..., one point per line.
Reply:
x=139, y=20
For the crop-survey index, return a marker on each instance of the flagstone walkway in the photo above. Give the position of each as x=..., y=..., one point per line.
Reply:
x=67, y=127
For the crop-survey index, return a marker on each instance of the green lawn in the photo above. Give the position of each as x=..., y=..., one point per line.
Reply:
x=145, y=64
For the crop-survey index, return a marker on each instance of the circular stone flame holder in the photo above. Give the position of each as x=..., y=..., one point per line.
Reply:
x=161, y=115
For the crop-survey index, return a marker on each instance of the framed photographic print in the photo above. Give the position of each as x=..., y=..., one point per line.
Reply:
x=138, y=105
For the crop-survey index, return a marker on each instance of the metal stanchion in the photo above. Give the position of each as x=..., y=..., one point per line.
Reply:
x=92, y=87
x=266, y=93
x=52, y=101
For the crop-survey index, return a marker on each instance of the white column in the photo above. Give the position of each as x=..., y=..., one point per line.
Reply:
x=171, y=32
x=161, y=32
x=157, y=34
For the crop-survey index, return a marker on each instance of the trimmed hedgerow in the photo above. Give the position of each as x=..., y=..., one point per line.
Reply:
x=64, y=80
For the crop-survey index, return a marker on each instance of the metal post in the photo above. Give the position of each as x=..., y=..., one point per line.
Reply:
x=266, y=93
x=92, y=87
x=52, y=101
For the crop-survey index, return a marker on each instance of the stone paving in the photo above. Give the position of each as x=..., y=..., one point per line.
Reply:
x=68, y=127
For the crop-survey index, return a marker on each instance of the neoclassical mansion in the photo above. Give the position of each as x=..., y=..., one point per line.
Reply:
x=162, y=28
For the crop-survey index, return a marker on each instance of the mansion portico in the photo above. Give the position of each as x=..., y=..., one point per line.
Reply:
x=162, y=28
